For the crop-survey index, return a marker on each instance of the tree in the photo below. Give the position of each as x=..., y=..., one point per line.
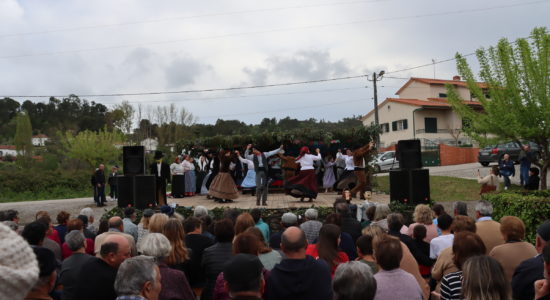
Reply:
x=516, y=99
x=122, y=117
x=23, y=138
x=93, y=147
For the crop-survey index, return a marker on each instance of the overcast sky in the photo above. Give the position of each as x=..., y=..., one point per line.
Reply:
x=59, y=47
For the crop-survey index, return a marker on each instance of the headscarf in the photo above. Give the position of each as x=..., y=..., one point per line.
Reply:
x=303, y=151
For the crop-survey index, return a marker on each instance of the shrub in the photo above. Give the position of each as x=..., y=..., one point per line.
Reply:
x=533, y=208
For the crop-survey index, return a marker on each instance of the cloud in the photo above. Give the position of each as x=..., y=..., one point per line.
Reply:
x=10, y=10
x=258, y=76
x=184, y=71
x=308, y=65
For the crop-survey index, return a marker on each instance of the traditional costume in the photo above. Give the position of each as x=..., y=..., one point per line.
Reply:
x=249, y=182
x=348, y=179
x=161, y=170
x=190, y=178
x=304, y=185
x=328, y=177
x=223, y=187
x=359, y=170
x=178, y=179
x=201, y=171
x=290, y=167
x=261, y=168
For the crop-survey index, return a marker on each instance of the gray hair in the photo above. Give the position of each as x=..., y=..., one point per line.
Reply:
x=133, y=273
x=354, y=280
x=87, y=211
x=485, y=208
x=200, y=211
x=461, y=208
x=11, y=224
x=382, y=211
x=154, y=244
x=75, y=240
x=311, y=214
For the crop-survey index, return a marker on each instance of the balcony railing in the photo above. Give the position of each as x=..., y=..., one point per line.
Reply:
x=438, y=131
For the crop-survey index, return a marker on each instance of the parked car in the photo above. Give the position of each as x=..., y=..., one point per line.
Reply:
x=493, y=153
x=385, y=161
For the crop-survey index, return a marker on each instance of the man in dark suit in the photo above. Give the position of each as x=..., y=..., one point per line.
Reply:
x=161, y=170
x=100, y=185
x=113, y=192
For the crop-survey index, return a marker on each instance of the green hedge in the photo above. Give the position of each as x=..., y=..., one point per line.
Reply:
x=533, y=208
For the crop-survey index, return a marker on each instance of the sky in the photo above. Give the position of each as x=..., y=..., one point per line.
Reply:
x=60, y=47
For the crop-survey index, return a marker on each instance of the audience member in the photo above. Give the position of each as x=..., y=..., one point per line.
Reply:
x=214, y=257
x=346, y=241
x=514, y=250
x=243, y=277
x=311, y=226
x=349, y=223
x=18, y=266
x=531, y=269
x=465, y=245
x=533, y=181
x=197, y=242
x=388, y=252
x=207, y=227
x=484, y=280
x=157, y=222
x=243, y=222
x=35, y=233
x=129, y=226
x=326, y=247
x=365, y=252
x=62, y=218
x=76, y=224
x=264, y=228
x=542, y=286
x=395, y=223
x=200, y=211
x=267, y=255
x=89, y=212
x=460, y=208
x=438, y=210
x=87, y=233
x=138, y=278
x=487, y=229
x=103, y=227
x=353, y=281
x=298, y=276
x=116, y=227
x=179, y=256
x=48, y=242
x=423, y=214
x=419, y=234
x=369, y=214
x=287, y=220
x=143, y=226
x=174, y=283
x=380, y=216
x=71, y=267
x=97, y=276
x=46, y=277
x=445, y=239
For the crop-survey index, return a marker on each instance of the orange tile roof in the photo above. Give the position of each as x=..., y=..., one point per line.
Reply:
x=8, y=147
x=443, y=100
x=438, y=82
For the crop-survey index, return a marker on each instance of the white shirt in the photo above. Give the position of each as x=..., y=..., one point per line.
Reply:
x=248, y=162
x=176, y=169
x=306, y=161
x=187, y=166
x=250, y=156
x=348, y=159
x=159, y=165
x=439, y=243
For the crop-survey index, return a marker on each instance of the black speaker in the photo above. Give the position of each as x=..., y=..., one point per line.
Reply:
x=133, y=160
x=125, y=185
x=410, y=186
x=408, y=154
x=144, y=191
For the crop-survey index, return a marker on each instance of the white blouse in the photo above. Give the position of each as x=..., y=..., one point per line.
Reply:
x=176, y=169
x=248, y=162
x=188, y=166
x=306, y=161
x=348, y=159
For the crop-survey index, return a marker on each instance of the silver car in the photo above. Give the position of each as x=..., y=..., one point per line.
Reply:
x=385, y=161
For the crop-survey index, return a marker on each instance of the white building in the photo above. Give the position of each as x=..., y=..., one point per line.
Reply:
x=7, y=150
x=40, y=140
x=150, y=144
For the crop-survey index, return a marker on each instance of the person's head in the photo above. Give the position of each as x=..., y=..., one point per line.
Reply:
x=289, y=219
x=423, y=214
x=200, y=211
x=224, y=231
x=35, y=233
x=84, y=220
x=370, y=212
x=373, y=231
x=444, y=222
x=75, y=224
x=103, y=226
x=262, y=245
x=47, y=221
x=546, y=258
x=116, y=223
x=419, y=232
x=327, y=245
x=232, y=214
x=256, y=214
x=382, y=211
x=156, y=245
x=484, y=208
x=146, y=218
x=311, y=214
x=534, y=171
x=484, y=279
x=543, y=236
x=114, y=250
x=157, y=222
x=334, y=218
x=512, y=228
x=494, y=170
x=11, y=215
x=101, y=167
x=47, y=275
x=294, y=242
x=167, y=210
x=463, y=223
x=438, y=210
x=75, y=241
x=173, y=230
x=17, y=263
x=243, y=276
x=88, y=212
x=506, y=156
x=348, y=152
x=192, y=225
x=460, y=208
x=63, y=217
x=465, y=245
x=387, y=252
x=246, y=243
x=177, y=160
x=138, y=276
x=353, y=281
x=114, y=169
x=130, y=213
x=244, y=221
x=342, y=208
x=364, y=245
x=346, y=195
x=395, y=222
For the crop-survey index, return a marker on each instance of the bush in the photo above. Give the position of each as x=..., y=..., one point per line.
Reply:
x=533, y=208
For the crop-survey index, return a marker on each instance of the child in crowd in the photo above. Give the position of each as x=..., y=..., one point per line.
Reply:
x=419, y=234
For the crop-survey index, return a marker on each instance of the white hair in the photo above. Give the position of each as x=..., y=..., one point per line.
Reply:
x=200, y=211
x=133, y=273
x=485, y=208
x=354, y=280
x=154, y=244
x=88, y=212
x=311, y=214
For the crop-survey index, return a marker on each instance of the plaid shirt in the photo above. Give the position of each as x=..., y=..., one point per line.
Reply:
x=131, y=297
x=311, y=229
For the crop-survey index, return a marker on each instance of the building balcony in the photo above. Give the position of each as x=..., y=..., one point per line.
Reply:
x=438, y=131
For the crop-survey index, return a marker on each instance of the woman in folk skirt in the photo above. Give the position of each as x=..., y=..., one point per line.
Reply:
x=304, y=185
x=190, y=178
x=178, y=181
x=328, y=178
x=223, y=187
x=249, y=181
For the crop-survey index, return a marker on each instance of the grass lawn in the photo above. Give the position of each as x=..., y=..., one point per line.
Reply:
x=442, y=188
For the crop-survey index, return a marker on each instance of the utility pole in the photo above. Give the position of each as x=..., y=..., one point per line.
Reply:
x=376, y=77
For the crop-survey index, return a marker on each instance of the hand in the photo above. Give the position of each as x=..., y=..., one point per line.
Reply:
x=339, y=150
x=318, y=150
x=282, y=146
x=371, y=144
x=248, y=146
x=542, y=288
x=436, y=295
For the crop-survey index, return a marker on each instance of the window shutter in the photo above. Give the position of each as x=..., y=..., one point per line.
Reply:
x=405, y=125
x=394, y=126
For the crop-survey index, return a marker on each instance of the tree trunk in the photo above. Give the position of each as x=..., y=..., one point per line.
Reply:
x=543, y=174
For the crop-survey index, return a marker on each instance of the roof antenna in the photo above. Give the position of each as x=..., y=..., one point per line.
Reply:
x=433, y=62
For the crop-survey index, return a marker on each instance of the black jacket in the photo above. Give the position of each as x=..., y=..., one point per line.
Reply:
x=532, y=183
x=420, y=257
x=164, y=172
x=99, y=177
x=214, y=259
x=525, y=276
x=96, y=281
x=351, y=226
x=198, y=243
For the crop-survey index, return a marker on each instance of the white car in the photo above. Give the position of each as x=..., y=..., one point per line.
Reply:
x=385, y=161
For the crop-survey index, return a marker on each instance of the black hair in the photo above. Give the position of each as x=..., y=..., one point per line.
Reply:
x=364, y=243
x=419, y=232
x=224, y=231
x=444, y=221
x=534, y=171
x=256, y=214
x=84, y=219
x=35, y=232
x=191, y=223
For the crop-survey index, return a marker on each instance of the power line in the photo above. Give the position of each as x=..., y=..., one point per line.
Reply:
x=275, y=30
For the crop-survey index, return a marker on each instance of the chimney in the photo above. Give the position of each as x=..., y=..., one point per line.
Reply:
x=456, y=78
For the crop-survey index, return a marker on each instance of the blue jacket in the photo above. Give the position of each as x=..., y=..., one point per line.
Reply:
x=506, y=168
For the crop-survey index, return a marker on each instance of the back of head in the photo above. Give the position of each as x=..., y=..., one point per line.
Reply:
x=465, y=245
x=353, y=281
x=129, y=212
x=256, y=214
x=75, y=224
x=47, y=265
x=244, y=221
x=423, y=214
x=134, y=273
x=382, y=211
x=200, y=211
x=395, y=221
x=327, y=246
x=484, y=279
x=63, y=217
x=484, y=208
x=438, y=209
x=419, y=232
x=364, y=244
x=342, y=208
x=87, y=211
x=444, y=222
x=115, y=222
x=35, y=233
x=157, y=222
x=243, y=273
x=191, y=224
x=463, y=223
x=387, y=252
x=154, y=244
x=334, y=218
x=293, y=240
x=84, y=219
x=289, y=219
x=224, y=231
x=460, y=208
x=75, y=240
x=512, y=228
x=246, y=243
x=311, y=214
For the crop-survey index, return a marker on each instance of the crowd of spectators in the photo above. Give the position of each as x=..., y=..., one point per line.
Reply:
x=164, y=256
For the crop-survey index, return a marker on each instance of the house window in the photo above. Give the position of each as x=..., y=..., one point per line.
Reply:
x=385, y=127
x=430, y=125
x=399, y=125
x=442, y=95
